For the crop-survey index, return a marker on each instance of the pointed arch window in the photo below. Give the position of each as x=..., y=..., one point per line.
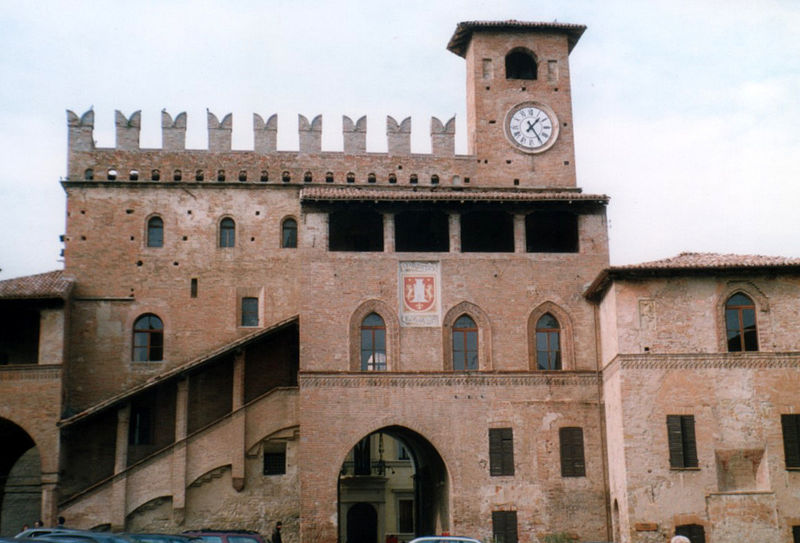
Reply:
x=373, y=343
x=148, y=339
x=155, y=232
x=227, y=232
x=289, y=234
x=465, y=344
x=740, y=323
x=548, y=343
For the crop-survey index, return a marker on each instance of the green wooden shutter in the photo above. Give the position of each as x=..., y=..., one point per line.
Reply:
x=504, y=526
x=791, y=440
x=689, y=443
x=572, y=454
x=675, y=437
x=501, y=451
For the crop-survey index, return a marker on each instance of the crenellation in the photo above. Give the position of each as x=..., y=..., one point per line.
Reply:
x=354, y=136
x=128, y=130
x=398, y=136
x=219, y=132
x=173, y=132
x=443, y=137
x=310, y=134
x=81, y=131
x=265, y=135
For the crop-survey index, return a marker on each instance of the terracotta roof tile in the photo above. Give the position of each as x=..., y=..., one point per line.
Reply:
x=693, y=264
x=712, y=260
x=463, y=33
x=309, y=194
x=54, y=284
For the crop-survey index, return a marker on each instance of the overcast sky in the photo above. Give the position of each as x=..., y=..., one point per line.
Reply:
x=687, y=113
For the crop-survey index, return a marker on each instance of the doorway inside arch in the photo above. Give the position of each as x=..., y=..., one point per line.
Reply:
x=20, y=479
x=392, y=488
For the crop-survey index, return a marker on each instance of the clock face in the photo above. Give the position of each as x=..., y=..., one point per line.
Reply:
x=531, y=127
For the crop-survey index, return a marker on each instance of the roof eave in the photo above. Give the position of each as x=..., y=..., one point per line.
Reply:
x=462, y=35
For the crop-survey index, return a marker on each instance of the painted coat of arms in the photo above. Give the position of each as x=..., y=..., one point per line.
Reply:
x=419, y=293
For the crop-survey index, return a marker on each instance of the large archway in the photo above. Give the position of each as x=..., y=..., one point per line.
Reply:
x=397, y=474
x=20, y=479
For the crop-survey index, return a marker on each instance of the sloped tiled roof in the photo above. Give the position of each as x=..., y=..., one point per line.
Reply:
x=54, y=284
x=712, y=260
x=694, y=264
x=310, y=194
x=463, y=33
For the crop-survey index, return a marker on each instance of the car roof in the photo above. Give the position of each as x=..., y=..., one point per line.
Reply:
x=450, y=538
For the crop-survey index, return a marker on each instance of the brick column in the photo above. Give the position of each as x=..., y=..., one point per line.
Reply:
x=455, y=232
x=119, y=487
x=238, y=421
x=49, y=498
x=519, y=233
x=179, y=456
x=388, y=232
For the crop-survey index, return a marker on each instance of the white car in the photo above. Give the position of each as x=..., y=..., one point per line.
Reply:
x=444, y=539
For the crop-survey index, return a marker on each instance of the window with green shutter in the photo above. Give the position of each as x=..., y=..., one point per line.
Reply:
x=504, y=526
x=572, y=457
x=682, y=446
x=791, y=440
x=501, y=451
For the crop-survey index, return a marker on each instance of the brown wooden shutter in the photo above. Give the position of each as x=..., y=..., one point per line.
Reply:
x=675, y=437
x=501, y=451
x=504, y=526
x=689, y=442
x=572, y=454
x=791, y=440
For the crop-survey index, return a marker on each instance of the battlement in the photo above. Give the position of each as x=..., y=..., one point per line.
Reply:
x=173, y=162
x=173, y=133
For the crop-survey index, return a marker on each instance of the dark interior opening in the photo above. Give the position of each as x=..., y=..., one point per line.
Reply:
x=19, y=333
x=487, y=232
x=356, y=229
x=520, y=65
x=551, y=232
x=421, y=230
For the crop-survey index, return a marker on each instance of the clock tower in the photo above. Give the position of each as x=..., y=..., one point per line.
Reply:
x=519, y=105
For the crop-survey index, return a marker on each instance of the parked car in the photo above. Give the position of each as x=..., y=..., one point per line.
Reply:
x=70, y=535
x=444, y=539
x=161, y=538
x=226, y=536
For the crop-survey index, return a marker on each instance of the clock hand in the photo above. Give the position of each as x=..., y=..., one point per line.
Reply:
x=531, y=125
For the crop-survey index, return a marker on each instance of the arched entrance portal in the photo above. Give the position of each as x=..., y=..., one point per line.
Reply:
x=20, y=479
x=396, y=477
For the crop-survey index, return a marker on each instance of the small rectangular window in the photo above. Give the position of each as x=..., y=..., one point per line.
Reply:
x=681, y=437
x=790, y=425
x=795, y=534
x=572, y=455
x=193, y=287
x=501, y=451
x=504, y=526
x=249, y=311
x=275, y=459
